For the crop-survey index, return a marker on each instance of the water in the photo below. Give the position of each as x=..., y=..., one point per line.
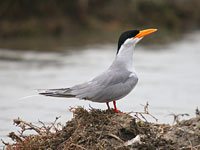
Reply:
x=168, y=80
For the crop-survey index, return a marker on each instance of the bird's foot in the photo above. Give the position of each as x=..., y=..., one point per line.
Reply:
x=116, y=111
x=115, y=107
x=107, y=103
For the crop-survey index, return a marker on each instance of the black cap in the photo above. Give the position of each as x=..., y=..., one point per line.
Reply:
x=126, y=35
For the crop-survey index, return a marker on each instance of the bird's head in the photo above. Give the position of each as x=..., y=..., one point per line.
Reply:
x=131, y=37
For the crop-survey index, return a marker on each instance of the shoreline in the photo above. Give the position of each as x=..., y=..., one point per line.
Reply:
x=56, y=44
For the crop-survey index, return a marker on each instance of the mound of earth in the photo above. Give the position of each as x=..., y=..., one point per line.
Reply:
x=100, y=130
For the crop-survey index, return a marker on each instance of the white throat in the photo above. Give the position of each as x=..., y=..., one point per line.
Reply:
x=124, y=58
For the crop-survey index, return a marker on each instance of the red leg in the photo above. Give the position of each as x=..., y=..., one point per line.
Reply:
x=115, y=107
x=107, y=103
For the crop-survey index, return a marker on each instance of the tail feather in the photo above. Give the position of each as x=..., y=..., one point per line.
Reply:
x=63, y=92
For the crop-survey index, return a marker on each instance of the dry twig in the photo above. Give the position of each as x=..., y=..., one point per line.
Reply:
x=177, y=117
x=24, y=126
x=15, y=137
x=116, y=137
x=138, y=115
x=5, y=143
x=197, y=112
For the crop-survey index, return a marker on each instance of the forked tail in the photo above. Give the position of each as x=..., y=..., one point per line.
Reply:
x=63, y=92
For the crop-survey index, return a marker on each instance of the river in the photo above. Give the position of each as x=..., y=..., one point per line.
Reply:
x=168, y=80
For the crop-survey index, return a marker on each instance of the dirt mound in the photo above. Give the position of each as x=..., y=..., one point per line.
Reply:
x=97, y=129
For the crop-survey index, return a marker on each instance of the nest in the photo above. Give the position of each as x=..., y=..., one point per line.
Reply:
x=100, y=130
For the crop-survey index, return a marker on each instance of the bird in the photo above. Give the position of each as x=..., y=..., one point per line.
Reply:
x=114, y=83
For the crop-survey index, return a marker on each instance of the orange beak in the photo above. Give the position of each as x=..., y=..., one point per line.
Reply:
x=146, y=32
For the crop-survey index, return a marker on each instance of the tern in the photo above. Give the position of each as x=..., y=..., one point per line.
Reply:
x=114, y=83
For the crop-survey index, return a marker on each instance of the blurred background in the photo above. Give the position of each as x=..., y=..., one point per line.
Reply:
x=53, y=44
x=53, y=25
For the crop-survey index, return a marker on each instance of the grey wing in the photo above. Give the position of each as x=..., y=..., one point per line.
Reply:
x=111, y=85
x=117, y=89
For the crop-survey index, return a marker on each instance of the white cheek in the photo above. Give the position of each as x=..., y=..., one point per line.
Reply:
x=128, y=45
x=128, y=42
x=131, y=42
x=136, y=40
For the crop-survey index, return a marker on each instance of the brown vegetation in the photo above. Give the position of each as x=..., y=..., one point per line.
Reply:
x=96, y=129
